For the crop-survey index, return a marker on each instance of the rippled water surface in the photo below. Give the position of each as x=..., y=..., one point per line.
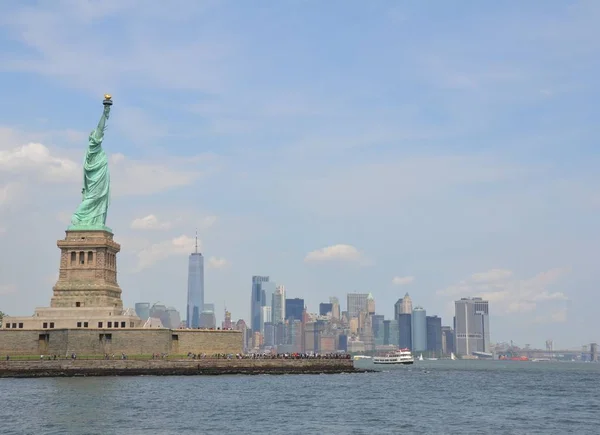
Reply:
x=433, y=397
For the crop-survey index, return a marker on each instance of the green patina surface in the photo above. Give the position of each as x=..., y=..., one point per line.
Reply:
x=91, y=213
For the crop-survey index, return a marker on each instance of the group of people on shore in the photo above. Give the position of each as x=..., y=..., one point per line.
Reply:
x=191, y=355
x=269, y=356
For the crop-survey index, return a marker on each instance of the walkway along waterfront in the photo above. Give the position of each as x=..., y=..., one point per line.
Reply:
x=166, y=367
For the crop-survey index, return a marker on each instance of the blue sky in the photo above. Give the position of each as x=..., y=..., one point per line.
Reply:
x=449, y=145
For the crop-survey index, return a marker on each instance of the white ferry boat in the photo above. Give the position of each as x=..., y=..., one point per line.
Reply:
x=401, y=356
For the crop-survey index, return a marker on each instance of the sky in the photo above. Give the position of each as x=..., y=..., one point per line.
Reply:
x=444, y=149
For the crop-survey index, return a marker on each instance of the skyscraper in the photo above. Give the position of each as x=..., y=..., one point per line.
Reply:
x=195, y=295
x=258, y=296
x=434, y=334
x=278, y=310
x=405, y=331
x=294, y=309
x=325, y=308
x=357, y=303
x=406, y=307
x=472, y=326
x=335, y=307
x=419, y=329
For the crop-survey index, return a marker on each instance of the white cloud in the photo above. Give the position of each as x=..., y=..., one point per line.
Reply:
x=148, y=256
x=338, y=252
x=217, y=263
x=150, y=222
x=506, y=295
x=36, y=158
x=402, y=280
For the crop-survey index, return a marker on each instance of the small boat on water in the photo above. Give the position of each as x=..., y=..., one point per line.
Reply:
x=359, y=357
x=400, y=356
x=421, y=357
x=452, y=357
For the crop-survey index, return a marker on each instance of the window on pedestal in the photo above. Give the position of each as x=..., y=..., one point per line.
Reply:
x=85, y=324
x=90, y=257
x=79, y=324
x=82, y=257
x=99, y=324
x=77, y=304
x=45, y=325
x=123, y=325
x=73, y=258
x=51, y=324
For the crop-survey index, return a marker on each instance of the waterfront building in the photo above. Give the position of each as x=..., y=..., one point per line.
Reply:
x=296, y=335
x=269, y=335
x=294, y=309
x=378, y=329
x=281, y=334
x=278, y=308
x=472, y=326
x=447, y=340
x=391, y=333
x=434, y=334
x=342, y=342
x=357, y=303
x=405, y=331
x=419, y=330
x=195, y=293
x=142, y=309
x=257, y=301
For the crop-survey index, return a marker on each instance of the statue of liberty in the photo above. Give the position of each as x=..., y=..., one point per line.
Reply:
x=91, y=213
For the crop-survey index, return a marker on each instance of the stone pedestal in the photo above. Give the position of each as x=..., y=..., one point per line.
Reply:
x=88, y=271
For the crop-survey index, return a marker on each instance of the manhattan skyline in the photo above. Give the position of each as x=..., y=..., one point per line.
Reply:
x=413, y=151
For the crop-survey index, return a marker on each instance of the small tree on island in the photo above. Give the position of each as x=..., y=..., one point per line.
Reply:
x=1, y=317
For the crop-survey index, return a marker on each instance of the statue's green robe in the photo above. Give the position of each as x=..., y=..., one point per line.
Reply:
x=96, y=182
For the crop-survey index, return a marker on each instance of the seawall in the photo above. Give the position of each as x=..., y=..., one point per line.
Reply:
x=69, y=368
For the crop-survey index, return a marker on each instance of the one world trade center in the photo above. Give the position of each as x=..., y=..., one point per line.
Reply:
x=195, y=296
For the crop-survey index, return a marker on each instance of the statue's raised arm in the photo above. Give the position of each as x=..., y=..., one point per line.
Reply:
x=91, y=213
x=98, y=134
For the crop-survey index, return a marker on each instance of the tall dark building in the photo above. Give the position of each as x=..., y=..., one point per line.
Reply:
x=325, y=308
x=257, y=302
x=434, y=334
x=294, y=308
x=405, y=330
x=343, y=346
x=195, y=294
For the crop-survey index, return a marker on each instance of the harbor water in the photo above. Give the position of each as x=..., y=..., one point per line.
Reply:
x=431, y=397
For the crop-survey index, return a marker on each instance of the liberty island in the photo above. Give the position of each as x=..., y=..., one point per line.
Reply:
x=86, y=315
